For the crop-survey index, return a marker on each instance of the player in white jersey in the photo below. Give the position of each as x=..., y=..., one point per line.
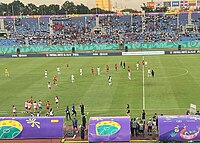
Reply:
x=81, y=71
x=49, y=85
x=40, y=106
x=72, y=78
x=129, y=73
x=35, y=106
x=45, y=73
x=137, y=66
x=58, y=70
x=109, y=80
x=145, y=63
x=57, y=101
x=149, y=72
x=98, y=71
x=26, y=106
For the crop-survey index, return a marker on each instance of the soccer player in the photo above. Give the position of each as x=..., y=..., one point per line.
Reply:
x=31, y=100
x=127, y=110
x=152, y=73
x=82, y=108
x=116, y=67
x=73, y=110
x=48, y=105
x=29, y=106
x=107, y=68
x=81, y=71
x=58, y=70
x=45, y=73
x=72, y=78
x=26, y=106
x=121, y=64
x=35, y=106
x=109, y=80
x=40, y=105
x=49, y=85
x=6, y=73
x=92, y=70
x=124, y=65
x=129, y=73
x=143, y=62
x=51, y=113
x=149, y=72
x=54, y=80
x=67, y=113
x=57, y=101
x=98, y=71
x=137, y=66
x=67, y=66
x=14, y=109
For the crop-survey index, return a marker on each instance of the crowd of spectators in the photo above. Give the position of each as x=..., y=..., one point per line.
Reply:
x=115, y=29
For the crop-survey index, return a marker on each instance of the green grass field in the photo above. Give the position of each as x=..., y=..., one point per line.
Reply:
x=175, y=86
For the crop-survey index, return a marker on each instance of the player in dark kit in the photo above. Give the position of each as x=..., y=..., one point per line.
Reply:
x=152, y=73
x=82, y=109
x=73, y=110
x=128, y=110
x=67, y=113
x=124, y=65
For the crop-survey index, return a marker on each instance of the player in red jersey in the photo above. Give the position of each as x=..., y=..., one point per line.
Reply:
x=92, y=70
x=107, y=68
x=31, y=100
x=54, y=80
x=143, y=62
x=116, y=67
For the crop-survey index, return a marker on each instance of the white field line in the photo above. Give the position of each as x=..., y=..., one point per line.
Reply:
x=143, y=91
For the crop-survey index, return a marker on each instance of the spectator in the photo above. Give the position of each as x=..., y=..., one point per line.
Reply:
x=74, y=123
x=141, y=127
x=83, y=121
x=150, y=126
x=134, y=127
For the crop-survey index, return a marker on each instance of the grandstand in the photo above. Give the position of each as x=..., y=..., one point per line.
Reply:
x=62, y=30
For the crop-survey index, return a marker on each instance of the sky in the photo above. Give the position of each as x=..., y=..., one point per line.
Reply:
x=135, y=4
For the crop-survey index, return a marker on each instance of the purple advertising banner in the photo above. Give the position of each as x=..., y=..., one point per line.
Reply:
x=179, y=128
x=31, y=127
x=109, y=129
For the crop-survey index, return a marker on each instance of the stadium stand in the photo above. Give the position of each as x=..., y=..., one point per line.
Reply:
x=157, y=27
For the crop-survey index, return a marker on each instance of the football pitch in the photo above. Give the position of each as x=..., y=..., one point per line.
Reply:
x=175, y=86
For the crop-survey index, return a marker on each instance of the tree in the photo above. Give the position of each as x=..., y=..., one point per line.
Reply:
x=15, y=8
x=53, y=9
x=32, y=9
x=82, y=9
x=43, y=10
x=3, y=9
x=68, y=8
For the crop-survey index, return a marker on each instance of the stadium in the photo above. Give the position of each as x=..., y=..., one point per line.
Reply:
x=100, y=77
